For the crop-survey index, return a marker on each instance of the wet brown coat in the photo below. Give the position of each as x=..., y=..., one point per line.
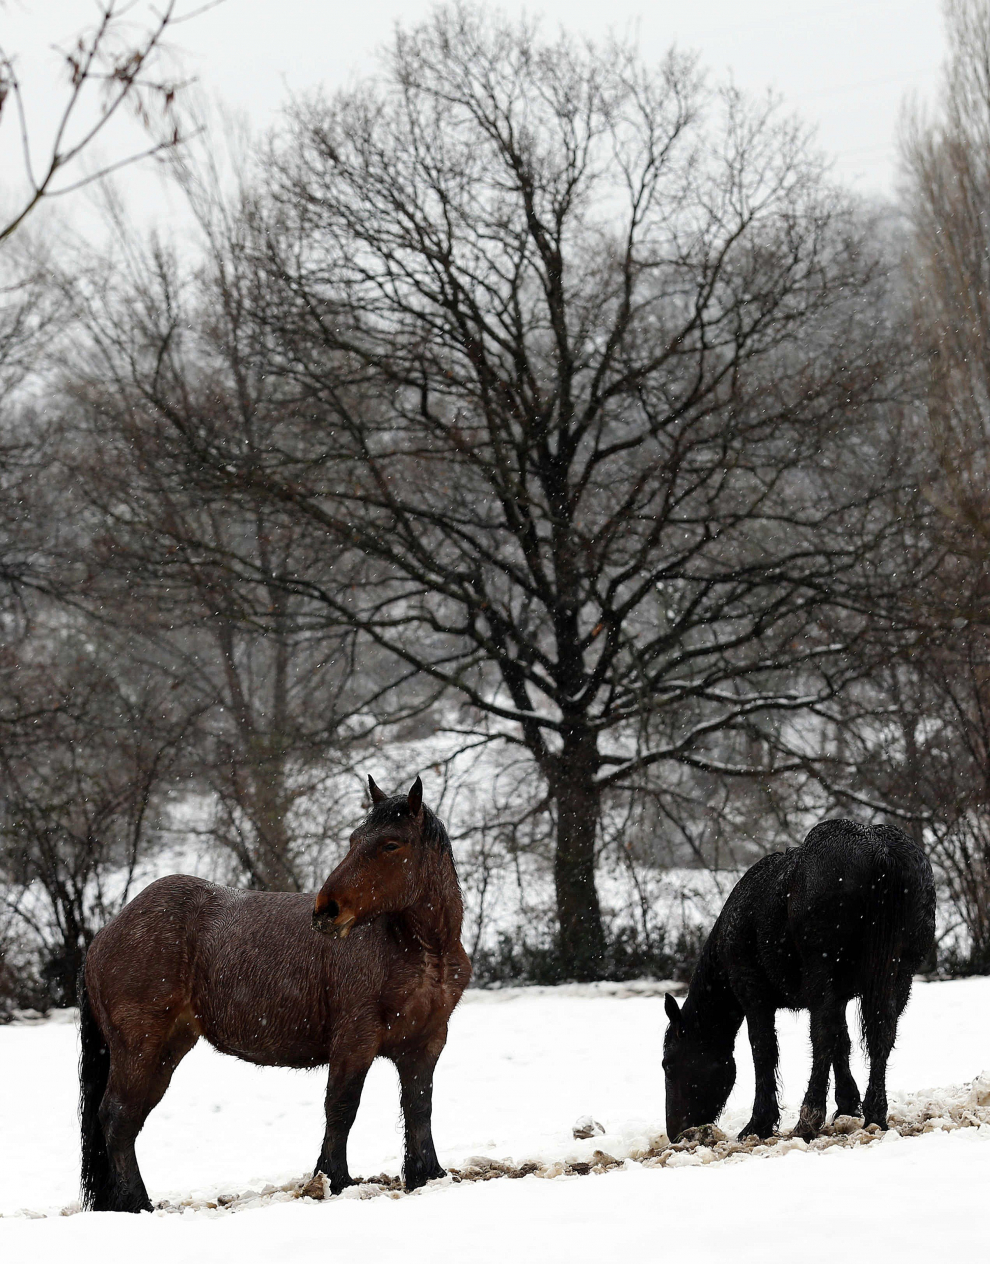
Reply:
x=249, y=971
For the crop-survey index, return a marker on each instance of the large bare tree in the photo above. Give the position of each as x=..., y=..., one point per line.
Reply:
x=584, y=358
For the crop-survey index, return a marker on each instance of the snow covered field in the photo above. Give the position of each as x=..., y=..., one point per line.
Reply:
x=521, y=1066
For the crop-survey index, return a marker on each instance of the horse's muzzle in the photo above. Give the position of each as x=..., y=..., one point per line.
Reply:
x=326, y=922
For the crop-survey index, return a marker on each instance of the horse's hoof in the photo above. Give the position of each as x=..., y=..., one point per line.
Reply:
x=130, y=1207
x=755, y=1129
x=810, y=1124
x=419, y=1179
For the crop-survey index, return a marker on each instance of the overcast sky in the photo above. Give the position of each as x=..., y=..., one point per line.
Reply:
x=846, y=66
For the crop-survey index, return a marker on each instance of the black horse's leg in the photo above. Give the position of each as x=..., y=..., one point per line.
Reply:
x=847, y=1101
x=827, y=1022
x=416, y=1082
x=344, y=1087
x=763, y=1041
x=881, y=1009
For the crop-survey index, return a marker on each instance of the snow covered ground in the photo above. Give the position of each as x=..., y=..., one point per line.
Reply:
x=521, y=1066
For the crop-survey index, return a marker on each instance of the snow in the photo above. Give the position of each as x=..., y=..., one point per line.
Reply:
x=521, y=1066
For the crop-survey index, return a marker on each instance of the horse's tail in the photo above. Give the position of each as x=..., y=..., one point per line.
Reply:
x=94, y=1072
x=903, y=923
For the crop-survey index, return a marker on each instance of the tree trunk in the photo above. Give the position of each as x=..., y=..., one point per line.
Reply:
x=572, y=786
x=269, y=808
x=61, y=972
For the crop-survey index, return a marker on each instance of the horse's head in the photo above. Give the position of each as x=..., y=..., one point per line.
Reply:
x=384, y=869
x=699, y=1076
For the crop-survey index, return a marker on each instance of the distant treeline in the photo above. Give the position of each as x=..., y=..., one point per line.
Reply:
x=554, y=411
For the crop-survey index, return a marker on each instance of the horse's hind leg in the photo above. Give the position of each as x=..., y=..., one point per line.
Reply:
x=827, y=1022
x=847, y=1100
x=139, y=1075
x=881, y=1009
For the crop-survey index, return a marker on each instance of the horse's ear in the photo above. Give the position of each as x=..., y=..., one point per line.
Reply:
x=670, y=1005
x=416, y=797
x=377, y=794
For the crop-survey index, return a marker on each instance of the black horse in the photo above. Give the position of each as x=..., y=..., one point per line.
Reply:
x=850, y=913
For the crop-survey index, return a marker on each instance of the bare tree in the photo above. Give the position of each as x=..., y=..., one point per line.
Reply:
x=913, y=741
x=203, y=590
x=86, y=755
x=946, y=187
x=112, y=67
x=946, y=161
x=584, y=357
x=115, y=67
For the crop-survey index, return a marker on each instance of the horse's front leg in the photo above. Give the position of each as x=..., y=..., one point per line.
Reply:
x=762, y=1028
x=347, y=1076
x=416, y=1087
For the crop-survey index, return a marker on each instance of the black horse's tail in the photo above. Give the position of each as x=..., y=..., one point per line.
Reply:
x=903, y=925
x=94, y=1072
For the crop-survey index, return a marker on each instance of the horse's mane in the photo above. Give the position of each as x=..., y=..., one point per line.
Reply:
x=390, y=811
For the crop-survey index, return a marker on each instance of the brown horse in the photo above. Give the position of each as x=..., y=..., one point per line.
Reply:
x=248, y=970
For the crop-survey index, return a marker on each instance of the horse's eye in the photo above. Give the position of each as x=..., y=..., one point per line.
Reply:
x=390, y=846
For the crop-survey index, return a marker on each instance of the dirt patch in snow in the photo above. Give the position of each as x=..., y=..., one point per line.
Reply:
x=628, y=990
x=911, y=1115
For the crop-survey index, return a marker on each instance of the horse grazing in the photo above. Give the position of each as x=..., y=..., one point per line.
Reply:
x=850, y=913
x=372, y=968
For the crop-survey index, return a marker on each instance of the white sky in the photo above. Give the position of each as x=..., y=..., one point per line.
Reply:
x=845, y=66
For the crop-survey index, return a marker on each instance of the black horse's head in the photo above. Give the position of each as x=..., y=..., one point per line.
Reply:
x=699, y=1075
